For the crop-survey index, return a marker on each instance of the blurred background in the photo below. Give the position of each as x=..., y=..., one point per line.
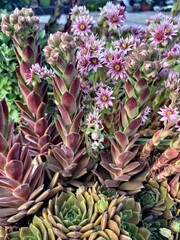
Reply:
x=42, y=7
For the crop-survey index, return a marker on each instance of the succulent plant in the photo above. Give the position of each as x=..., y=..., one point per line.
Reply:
x=121, y=162
x=154, y=226
x=39, y=229
x=69, y=157
x=86, y=214
x=154, y=198
x=140, y=63
x=22, y=179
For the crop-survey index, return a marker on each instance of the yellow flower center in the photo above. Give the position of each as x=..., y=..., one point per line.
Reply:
x=114, y=19
x=104, y=98
x=93, y=120
x=169, y=113
x=110, y=56
x=117, y=67
x=94, y=60
x=123, y=45
x=82, y=27
x=167, y=30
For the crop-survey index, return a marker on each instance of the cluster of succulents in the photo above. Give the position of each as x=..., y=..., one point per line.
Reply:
x=96, y=151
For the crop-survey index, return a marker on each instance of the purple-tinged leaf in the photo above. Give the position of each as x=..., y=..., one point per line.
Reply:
x=39, y=59
x=25, y=70
x=115, y=151
x=61, y=128
x=22, y=191
x=7, y=213
x=23, y=108
x=14, y=169
x=60, y=156
x=45, y=148
x=69, y=74
x=60, y=85
x=3, y=144
x=43, y=140
x=121, y=160
x=75, y=87
x=64, y=114
x=79, y=155
x=131, y=108
x=41, y=89
x=130, y=167
x=14, y=152
x=123, y=116
x=28, y=55
x=2, y=161
x=40, y=126
x=72, y=140
x=8, y=182
x=24, y=90
x=41, y=110
x=133, y=127
x=140, y=86
x=37, y=176
x=69, y=102
x=19, y=76
x=5, y=109
x=76, y=122
x=28, y=130
x=33, y=101
x=143, y=97
x=122, y=140
x=129, y=89
x=31, y=41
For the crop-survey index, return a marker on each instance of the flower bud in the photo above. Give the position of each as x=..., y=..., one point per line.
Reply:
x=66, y=37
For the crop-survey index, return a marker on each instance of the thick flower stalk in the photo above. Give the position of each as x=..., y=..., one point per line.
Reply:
x=88, y=214
x=22, y=26
x=69, y=157
x=120, y=162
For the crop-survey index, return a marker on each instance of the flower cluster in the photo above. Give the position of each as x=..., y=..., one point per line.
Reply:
x=112, y=16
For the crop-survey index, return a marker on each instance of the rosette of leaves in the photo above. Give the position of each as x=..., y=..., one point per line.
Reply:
x=70, y=156
x=130, y=217
x=86, y=214
x=154, y=226
x=120, y=162
x=22, y=178
x=143, y=63
x=36, y=127
x=155, y=199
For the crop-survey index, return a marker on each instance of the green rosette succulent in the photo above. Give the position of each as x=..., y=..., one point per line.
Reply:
x=130, y=217
x=39, y=229
x=154, y=226
x=86, y=214
x=155, y=199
